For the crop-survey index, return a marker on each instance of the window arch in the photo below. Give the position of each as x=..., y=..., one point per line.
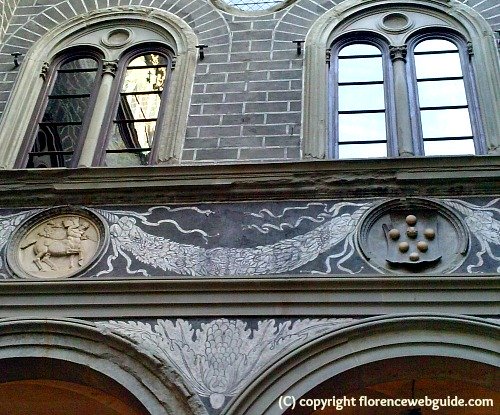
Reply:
x=415, y=126
x=138, y=101
x=64, y=111
x=360, y=94
x=111, y=37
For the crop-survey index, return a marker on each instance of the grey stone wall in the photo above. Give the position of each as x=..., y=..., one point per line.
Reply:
x=7, y=8
x=246, y=102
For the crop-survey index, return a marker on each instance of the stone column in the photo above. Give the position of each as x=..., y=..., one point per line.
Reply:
x=403, y=124
x=99, y=112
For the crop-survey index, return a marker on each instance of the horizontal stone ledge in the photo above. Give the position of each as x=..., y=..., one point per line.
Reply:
x=261, y=296
x=308, y=180
x=256, y=283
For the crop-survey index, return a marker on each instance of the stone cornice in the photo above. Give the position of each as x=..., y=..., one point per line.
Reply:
x=403, y=177
x=291, y=295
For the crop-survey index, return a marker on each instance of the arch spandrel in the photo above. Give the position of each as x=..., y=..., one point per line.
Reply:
x=151, y=382
x=370, y=340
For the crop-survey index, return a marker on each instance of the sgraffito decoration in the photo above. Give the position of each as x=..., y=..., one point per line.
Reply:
x=482, y=224
x=408, y=235
x=8, y=224
x=129, y=241
x=218, y=359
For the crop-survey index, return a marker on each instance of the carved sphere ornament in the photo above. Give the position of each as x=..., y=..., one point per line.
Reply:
x=57, y=243
x=412, y=236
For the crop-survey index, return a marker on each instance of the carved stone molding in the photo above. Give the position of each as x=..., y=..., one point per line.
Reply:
x=109, y=67
x=398, y=53
x=45, y=70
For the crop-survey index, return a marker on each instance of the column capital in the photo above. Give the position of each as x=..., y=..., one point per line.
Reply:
x=45, y=70
x=109, y=67
x=398, y=53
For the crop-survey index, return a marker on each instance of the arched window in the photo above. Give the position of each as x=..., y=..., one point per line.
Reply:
x=443, y=97
x=360, y=100
x=101, y=90
x=366, y=100
x=141, y=88
x=128, y=130
x=404, y=79
x=66, y=107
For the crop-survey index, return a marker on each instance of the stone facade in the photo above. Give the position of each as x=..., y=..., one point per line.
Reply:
x=244, y=271
x=247, y=97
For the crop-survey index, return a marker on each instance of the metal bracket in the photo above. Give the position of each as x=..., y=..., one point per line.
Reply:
x=201, y=49
x=299, y=46
x=16, y=57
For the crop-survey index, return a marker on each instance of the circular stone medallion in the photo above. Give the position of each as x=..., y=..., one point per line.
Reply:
x=395, y=22
x=117, y=38
x=412, y=236
x=57, y=243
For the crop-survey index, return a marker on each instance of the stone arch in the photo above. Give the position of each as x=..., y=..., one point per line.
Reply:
x=150, y=382
x=454, y=15
x=364, y=342
x=172, y=29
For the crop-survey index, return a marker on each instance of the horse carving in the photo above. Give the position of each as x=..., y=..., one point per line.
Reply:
x=62, y=239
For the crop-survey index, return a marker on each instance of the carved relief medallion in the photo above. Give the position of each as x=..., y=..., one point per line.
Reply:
x=57, y=243
x=413, y=235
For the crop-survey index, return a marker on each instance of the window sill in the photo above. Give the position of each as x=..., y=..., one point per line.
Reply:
x=305, y=180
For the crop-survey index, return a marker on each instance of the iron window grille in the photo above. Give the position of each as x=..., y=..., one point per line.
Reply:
x=68, y=101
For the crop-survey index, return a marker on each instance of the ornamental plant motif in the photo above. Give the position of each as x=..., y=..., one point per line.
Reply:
x=484, y=226
x=130, y=240
x=7, y=226
x=222, y=356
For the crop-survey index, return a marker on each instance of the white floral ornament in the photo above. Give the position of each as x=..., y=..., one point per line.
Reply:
x=187, y=259
x=221, y=357
x=481, y=222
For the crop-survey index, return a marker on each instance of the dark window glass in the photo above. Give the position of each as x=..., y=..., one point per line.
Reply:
x=134, y=125
x=60, y=130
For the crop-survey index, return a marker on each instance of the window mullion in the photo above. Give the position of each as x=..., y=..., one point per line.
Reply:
x=97, y=120
x=402, y=103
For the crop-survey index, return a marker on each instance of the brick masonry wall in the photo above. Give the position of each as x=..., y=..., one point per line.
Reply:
x=246, y=102
x=7, y=8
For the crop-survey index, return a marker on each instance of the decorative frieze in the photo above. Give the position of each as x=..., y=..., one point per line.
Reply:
x=409, y=236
